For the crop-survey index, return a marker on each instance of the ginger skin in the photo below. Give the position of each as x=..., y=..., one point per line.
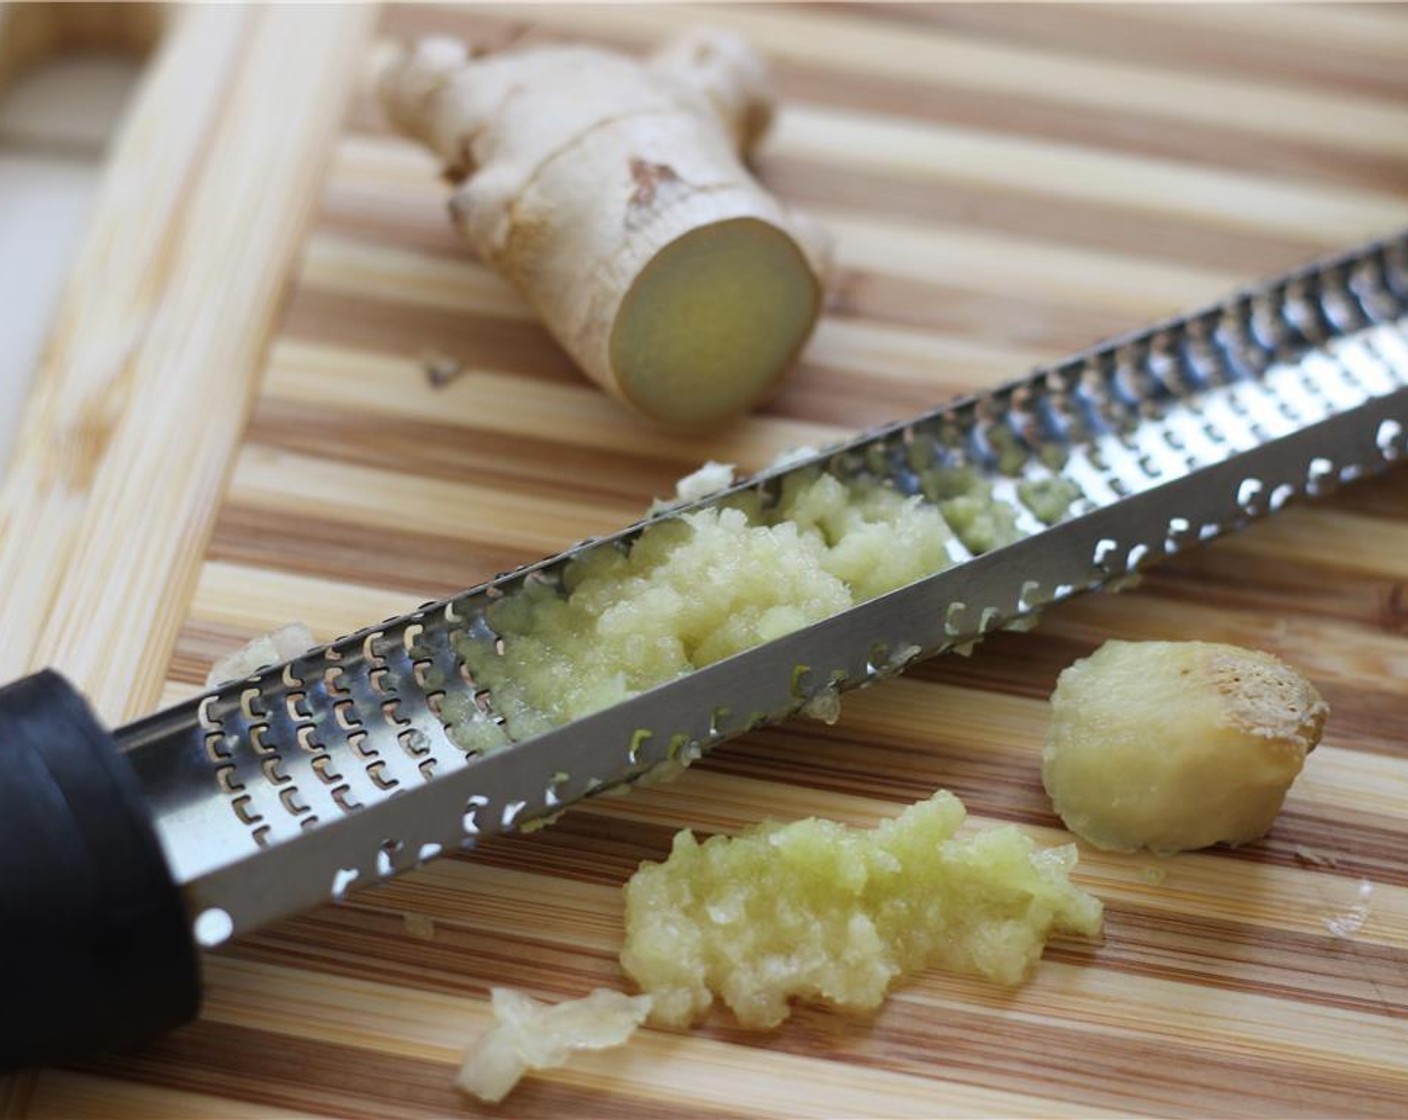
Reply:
x=611, y=192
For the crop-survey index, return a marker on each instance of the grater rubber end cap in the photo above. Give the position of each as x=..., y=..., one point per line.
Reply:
x=96, y=950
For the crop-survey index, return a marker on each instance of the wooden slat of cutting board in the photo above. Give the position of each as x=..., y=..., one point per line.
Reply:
x=1006, y=184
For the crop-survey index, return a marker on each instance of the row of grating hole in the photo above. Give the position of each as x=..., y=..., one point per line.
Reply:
x=951, y=442
x=1251, y=500
x=414, y=742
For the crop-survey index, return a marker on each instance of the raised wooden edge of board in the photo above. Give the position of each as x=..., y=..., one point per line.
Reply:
x=32, y=32
x=155, y=354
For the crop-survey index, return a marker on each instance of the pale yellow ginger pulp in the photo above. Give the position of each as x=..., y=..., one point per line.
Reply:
x=823, y=912
x=1176, y=745
x=529, y=1035
x=966, y=500
x=711, y=583
x=471, y=729
x=1049, y=499
x=694, y=590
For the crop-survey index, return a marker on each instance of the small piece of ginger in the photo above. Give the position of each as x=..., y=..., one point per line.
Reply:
x=824, y=706
x=528, y=1035
x=824, y=912
x=273, y=648
x=1049, y=499
x=977, y=517
x=1311, y=858
x=709, y=479
x=471, y=729
x=1176, y=745
x=791, y=456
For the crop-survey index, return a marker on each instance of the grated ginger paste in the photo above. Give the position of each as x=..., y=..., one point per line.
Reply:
x=694, y=590
x=823, y=912
x=713, y=582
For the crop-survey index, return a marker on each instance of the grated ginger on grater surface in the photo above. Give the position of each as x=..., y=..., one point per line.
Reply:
x=704, y=585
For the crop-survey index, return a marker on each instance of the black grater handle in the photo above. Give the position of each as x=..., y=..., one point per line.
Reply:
x=96, y=950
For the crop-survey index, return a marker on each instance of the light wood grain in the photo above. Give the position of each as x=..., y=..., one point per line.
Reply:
x=81, y=1096
x=923, y=153
x=112, y=486
x=666, y=1076
x=849, y=43
x=1007, y=182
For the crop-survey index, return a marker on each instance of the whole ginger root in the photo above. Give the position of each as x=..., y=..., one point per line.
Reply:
x=611, y=192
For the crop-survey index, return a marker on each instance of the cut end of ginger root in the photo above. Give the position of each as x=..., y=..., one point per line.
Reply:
x=823, y=912
x=530, y=1035
x=1176, y=745
x=612, y=193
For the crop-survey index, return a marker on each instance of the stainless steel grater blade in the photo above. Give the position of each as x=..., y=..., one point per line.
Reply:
x=334, y=771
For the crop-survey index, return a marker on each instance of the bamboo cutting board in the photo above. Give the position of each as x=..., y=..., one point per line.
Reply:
x=1006, y=184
